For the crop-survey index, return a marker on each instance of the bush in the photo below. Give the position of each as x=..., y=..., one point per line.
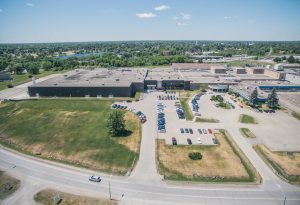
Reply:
x=10, y=86
x=29, y=76
x=195, y=155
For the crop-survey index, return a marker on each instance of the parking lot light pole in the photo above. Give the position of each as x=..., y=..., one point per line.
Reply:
x=284, y=196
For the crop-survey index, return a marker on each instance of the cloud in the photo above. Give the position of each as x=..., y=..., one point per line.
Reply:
x=231, y=17
x=29, y=4
x=181, y=24
x=162, y=8
x=145, y=15
x=175, y=18
x=185, y=16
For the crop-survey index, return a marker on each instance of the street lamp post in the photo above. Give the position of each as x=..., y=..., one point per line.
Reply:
x=284, y=196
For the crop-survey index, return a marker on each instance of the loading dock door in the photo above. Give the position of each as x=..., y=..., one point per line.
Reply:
x=159, y=84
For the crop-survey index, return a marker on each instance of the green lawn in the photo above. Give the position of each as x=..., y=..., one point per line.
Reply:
x=296, y=115
x=72, y=131
x=20, y=79
x=186, y=108
x=210, y=120
x=247, y=133
x=247, y=119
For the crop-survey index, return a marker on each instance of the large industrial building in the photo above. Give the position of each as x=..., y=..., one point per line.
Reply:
x=125, y=82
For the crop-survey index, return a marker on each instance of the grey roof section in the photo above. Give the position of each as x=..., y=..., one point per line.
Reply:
x=96, y=78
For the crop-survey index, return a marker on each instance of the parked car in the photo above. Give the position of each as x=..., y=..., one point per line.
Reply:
x=199, y=141
x=191, y=131
x=200, y=131
x=209, y=131
x=181, y=130
x=204, y=131
x=186, y=130
x=214, y=140
x=174, y=141
x=189, y=141
x=94, y=178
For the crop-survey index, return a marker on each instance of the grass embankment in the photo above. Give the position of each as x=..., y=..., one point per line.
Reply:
x=70, y=131
x=284, y=164
x=296, y=115
x=186, y=108
x=46, y=197
x=220, y=163
x=189, y=93
x=13, y=183
x=23, y=78
x=209, y=120
x=247, y=133
x=247, y=119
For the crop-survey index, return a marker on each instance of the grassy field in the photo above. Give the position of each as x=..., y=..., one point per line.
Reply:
x=210, y=120
x=284, y=164
x=296, y=115
x=220, y=163
x=45, y=197
x=20, y=79
x=247, y=119
x=4, y=178
x=247, y=133
x=186, y=108
x=70, y=131
x=188, y=93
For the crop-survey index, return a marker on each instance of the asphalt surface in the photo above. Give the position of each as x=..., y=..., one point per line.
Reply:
x=145, y=185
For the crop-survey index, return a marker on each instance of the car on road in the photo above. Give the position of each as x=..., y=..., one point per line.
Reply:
x=174, y=141
x=186, y=130
x=199, y=141
x=189, y=141
x=181, y=130
x=191, y=131
x=94, y=178
x=200, y=131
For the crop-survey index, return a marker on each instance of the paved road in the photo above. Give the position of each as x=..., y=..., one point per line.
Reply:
x=21, y=91
x=144, y=185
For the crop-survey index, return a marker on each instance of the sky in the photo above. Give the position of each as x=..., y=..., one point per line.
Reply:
x=33, y=21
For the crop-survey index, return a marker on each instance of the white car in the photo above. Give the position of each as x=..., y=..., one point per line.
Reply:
x=95, y=178
x=199, y=141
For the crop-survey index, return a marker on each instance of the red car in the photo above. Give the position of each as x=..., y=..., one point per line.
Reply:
x=209, y=131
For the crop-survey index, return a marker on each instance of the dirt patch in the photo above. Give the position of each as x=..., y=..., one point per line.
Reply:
x=217, y=161
x=8, y=185
x=46, y=197
x=289, y=162
x=132, y=141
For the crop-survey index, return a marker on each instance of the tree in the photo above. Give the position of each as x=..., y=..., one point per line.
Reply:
x=273, y=100
x=254, y=97
x=277, y=60
x=291, y=59
x=116, y=123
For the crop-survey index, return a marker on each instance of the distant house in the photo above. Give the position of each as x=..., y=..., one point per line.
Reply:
x=4, y=76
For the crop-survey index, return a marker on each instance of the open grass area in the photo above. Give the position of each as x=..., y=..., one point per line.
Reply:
x=70, y=131
x=186, y=108
x=247, y=133
x=20, y=79
x=284, y=164
x=247, y=119
x=296, y=115
x=210, y=120
x=188, y=93
x=6, y=179
x=45, y=197
x=220, y=163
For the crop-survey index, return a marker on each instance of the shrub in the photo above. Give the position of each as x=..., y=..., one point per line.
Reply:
x=195, y=155
x=10, y=85
x=29, y=76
